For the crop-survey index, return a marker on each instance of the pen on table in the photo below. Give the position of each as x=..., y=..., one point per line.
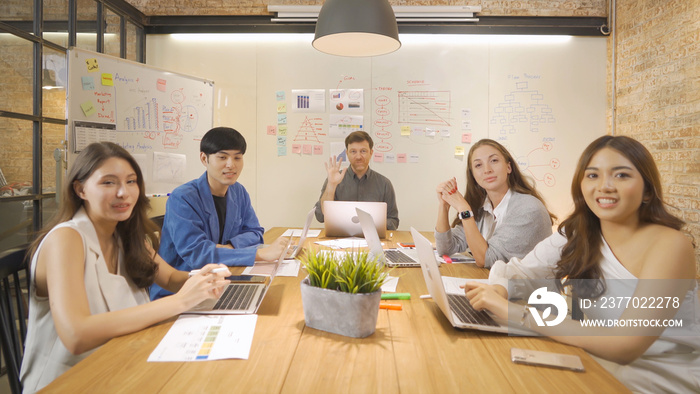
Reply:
x=385, y=305
x=426, y=297
x=396, y=296
x=447, y=259
x=214, y=271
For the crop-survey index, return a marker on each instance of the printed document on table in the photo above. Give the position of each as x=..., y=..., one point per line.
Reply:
x=289, y=267
x=344, y=243
x=452, y=284
x=206, y=337
x=296, y=232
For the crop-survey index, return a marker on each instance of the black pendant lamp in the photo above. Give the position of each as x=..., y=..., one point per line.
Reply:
x=356, y=28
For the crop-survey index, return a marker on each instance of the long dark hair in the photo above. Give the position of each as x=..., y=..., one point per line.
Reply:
x=476, y=195
x=133, y=232
x=581, y=255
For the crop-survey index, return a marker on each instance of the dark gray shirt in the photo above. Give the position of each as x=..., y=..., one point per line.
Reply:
x=373, y=186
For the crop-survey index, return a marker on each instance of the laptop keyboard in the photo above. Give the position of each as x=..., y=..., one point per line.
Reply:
x=236, y=297
x=401, y=259
x=467, y=314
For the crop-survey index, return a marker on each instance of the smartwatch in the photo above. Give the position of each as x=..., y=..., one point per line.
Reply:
x=466, y=215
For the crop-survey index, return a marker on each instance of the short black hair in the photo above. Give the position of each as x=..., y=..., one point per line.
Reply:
x=358, y=136
x=222, y=138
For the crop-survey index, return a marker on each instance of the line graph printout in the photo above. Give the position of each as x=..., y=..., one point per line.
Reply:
x=425, y=107
x=206, y=337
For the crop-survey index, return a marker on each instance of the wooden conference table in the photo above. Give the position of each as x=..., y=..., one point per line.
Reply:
x=413, y=350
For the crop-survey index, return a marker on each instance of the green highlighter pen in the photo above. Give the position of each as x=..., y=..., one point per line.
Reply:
x=396, y=296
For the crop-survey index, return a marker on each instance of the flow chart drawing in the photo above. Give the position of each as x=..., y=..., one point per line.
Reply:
x=524, y=116
x=425, y=107
x=522, y=110
x=382, y=123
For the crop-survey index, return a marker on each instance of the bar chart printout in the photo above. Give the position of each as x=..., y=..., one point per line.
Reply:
x=207, y=337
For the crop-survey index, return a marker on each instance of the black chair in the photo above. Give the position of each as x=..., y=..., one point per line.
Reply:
x=158, y=220
x=13, y=312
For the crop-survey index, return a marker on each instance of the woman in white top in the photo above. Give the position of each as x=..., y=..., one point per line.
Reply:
x=620, y=231
x=91, y=267
x=500, y=215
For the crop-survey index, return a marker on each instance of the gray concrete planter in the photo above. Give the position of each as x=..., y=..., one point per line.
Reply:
x=352, y=315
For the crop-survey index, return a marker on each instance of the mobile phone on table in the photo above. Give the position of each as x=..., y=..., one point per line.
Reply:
x=246, y=278
x=546, y=359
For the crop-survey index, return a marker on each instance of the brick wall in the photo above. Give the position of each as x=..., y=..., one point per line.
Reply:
x=489, y=7
x=658, y=95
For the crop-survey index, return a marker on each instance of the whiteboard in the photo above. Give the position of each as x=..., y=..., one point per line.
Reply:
x=158, y=116
x=544, y=98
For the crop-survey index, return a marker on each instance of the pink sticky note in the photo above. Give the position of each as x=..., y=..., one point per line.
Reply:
x=271, y=130
x=161, y=84
x=308, y=149
x=467, y=138
x=401, y=157
x=378, y=157
x=318, y=149
x=296, y=148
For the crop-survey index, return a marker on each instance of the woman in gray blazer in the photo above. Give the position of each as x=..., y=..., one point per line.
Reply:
x=500, y=215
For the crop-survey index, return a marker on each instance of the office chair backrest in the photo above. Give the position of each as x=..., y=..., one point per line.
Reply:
x=158, y=220
x=13, y=313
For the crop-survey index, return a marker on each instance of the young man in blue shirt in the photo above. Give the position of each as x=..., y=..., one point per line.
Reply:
x=211, y=219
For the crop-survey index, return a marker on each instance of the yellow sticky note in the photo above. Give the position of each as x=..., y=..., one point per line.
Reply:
x=92, y=65
x=405, y=130
x=281, y=107
x=459, y=151
x=107, y=80
x=88, y=108
x=282, y=129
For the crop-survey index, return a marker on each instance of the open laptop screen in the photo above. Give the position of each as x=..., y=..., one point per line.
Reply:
x=341, y=218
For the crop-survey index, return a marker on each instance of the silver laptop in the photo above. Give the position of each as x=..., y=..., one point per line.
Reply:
x=240, y=298
x=390, y=257
x=296, y=248
x=341, y=217
x=456, y=307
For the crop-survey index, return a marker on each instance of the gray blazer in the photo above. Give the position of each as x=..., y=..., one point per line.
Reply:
x=526, y=224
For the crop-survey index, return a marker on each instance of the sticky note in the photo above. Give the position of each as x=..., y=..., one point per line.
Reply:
x=413, y=157
x=282, y=130
x=271, y=130
x=282, y=140
x=161, y=84
x=88, y=83
x=92, y=65
x=390, y=158
x=107, y=79
x=318, y=149
x=281, y=118
x=466, y=112
x=296, y=148
x=429, y=132
x=459, y=151
x=405, y=130
x=466, y=124
x=279, y=95
x=378, y=157
x=401, y=157
x=467, y=138
x=281, y=107
x=307, y=149
x=444, y=133
x=88, y=108
x=282, y=150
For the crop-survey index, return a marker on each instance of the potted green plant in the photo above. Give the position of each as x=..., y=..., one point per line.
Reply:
x=341, y=293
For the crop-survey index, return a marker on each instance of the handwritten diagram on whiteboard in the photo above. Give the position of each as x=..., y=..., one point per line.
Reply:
x=152, y=112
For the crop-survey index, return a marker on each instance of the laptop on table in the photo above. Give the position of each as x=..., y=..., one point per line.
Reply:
x=341, y=217
x=455, y=307
x=240, y=298
x=297, y=248
x=390, y=257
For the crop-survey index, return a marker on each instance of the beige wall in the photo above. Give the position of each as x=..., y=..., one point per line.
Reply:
x=658, y=94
